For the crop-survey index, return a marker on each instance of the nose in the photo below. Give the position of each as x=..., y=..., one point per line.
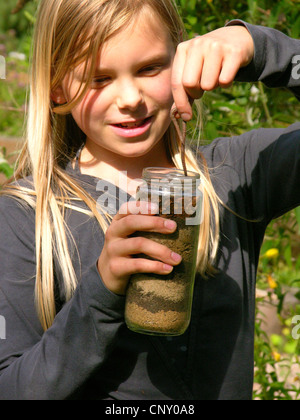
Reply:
x=129, y=95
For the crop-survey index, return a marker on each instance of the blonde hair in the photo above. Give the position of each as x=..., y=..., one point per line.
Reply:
x=52, y=136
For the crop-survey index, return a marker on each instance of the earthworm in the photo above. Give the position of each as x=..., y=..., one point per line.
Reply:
x=181, y=135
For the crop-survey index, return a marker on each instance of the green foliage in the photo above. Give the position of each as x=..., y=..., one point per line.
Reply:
x=282, y=235
x=5, y=167
x=13, y=97
x=18, y=22
x=206, y=15
x=274, y=375
x=15, y=44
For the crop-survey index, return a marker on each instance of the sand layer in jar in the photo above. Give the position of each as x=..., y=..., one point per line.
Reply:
x=163, y=322
x=162, y=303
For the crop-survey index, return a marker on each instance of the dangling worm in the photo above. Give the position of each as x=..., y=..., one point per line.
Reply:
x=181, y=135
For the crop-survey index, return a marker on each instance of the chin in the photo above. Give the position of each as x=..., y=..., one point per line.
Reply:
x=132, y=155
x=135, y=151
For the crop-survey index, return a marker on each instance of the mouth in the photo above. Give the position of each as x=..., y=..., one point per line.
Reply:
x=133, y=124
x=132, y=128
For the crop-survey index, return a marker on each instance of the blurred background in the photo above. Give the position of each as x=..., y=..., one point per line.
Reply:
x=241, y=108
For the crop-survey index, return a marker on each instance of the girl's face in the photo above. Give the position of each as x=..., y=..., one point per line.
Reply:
x=126, y=109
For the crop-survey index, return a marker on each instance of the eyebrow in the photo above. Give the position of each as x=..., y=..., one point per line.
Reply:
x=159, y=58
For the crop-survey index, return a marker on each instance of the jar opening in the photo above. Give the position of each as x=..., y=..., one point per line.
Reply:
x=168, y=174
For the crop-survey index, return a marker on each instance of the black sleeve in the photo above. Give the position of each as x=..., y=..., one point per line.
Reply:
x=48, y=365
x=266, y=161
x=263, y=167
x=276, y=60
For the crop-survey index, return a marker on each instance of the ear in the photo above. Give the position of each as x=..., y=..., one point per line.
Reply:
x=58, y=96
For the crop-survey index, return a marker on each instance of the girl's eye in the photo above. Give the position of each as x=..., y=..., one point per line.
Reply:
x=151, y=70
x=100, y=82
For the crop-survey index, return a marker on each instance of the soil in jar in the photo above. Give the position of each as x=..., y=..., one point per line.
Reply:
x=161, y=304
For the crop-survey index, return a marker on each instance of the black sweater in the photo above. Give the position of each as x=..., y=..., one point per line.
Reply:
x=88, y=352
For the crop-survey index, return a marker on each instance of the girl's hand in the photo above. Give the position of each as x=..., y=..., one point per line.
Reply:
x=116, y=263
x=209, y=61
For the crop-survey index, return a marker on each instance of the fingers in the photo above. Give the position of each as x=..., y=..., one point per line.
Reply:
x=133, y=223
x=207, y=62
x=141, y=245
x=134, y=216
x=122, y=267
x=229, y=70
x=219, y=70
x=118, y=240
x=199, y=67
x=180, y=93
x=161, y=261
x=116, y=262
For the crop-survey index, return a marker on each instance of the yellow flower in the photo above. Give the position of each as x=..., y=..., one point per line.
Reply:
x=276, y=356
x=272, y=253
x=286, y=332
x=272, y=282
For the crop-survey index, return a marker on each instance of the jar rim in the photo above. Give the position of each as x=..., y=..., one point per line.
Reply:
x=160, y=173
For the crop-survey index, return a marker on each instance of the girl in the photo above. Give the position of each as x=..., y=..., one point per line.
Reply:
x=105, y=74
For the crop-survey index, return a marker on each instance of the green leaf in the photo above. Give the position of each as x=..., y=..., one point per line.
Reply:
x=276, y=340
x=192, y=20
x=6, y=169
x=29, y=16
x=210, y=131
x=295, y=31
x=291, y=347
x=297, y=212
x=288, y=255
x=295, y=281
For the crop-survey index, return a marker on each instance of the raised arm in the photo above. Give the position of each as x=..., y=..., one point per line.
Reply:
x=239, y=51
x=276, y=59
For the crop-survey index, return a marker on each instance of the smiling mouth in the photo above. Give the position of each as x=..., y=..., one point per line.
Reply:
x=133, y=124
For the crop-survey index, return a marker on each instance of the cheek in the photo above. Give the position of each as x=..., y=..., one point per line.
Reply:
x=160, y=90
x=89, y=106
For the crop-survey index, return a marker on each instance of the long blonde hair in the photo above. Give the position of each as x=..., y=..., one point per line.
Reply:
x=52, y=136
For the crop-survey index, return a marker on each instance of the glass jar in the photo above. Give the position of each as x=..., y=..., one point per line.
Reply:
x=161, y=304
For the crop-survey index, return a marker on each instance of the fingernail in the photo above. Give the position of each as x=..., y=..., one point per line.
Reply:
x=168, y=268
x=170, y=224
x=176, y=257
x=186, y=117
